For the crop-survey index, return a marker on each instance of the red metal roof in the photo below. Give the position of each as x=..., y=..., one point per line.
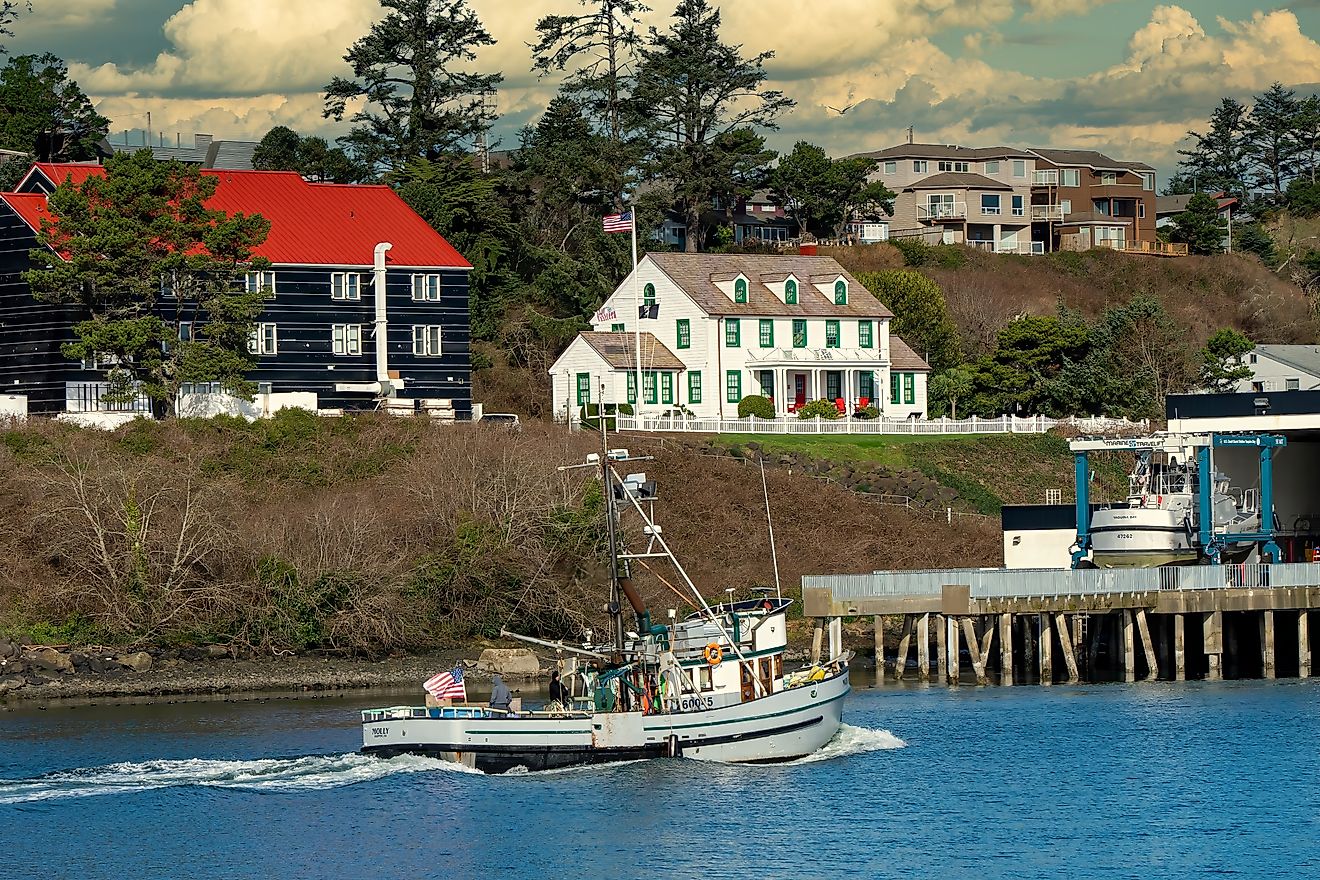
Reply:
x=311, y=224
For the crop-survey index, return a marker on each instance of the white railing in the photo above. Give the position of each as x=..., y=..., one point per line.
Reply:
x=1006, y=424
x=1037, y=582
x=1045, y=178
x=942, y=211
x=1008, y=247
x=1047, y=212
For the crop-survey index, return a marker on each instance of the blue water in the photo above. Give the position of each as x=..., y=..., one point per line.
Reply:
x=1152, y=780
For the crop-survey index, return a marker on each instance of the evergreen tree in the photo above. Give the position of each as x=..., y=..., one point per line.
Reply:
x=1222, y=365
x=1030, y=353
x=45, y=114
x=1272, y=139
x=277, y=150
x=1199, y=226
x=1308, y=137
x=138, y=252
x=9, y=10
x=603, y=44
x=1219, y=161
x=318, y=161
x=1180, y=184
x=565, y=168
x=821, y=194
x=1253, y=238
x=419, y=102
x=702, y=101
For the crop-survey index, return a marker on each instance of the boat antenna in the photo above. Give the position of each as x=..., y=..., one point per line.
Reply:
x=770, y=524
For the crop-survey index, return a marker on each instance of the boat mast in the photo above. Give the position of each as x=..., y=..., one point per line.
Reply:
x=606, y=481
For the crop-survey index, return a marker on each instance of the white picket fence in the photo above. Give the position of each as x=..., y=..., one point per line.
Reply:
x=1006, y=424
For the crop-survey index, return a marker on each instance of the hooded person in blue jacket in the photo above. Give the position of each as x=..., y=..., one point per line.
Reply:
x=500, y=697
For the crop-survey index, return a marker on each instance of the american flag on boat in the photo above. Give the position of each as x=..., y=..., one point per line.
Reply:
x=618, y=222
x=447, y=684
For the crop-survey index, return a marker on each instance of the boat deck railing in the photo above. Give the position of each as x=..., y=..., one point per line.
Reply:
x=450, y=713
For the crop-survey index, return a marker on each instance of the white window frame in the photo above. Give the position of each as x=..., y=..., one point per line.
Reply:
x=996, y=208
x=346, y=286
x=169, y=285
x=1292, y=383
x=1070, y=177
x=426, y=288
x=954, y=165
x=1065, y=207
x=264, y=339
x=992, y=166
x=346, y=339
x=253, y=282
x=427, y=340
x=1018, y=206
x=1141, y=210
x=920, y=166
x=1108, y=178
x=891, y=167
x=1148, y=180
x=1019, y=167
x=185, y=331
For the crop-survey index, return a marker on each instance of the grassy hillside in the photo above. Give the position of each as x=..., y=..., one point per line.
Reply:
x=985, y=291
x=372, y=534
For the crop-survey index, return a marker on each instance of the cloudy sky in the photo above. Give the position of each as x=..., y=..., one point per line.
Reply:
x=1125, y=76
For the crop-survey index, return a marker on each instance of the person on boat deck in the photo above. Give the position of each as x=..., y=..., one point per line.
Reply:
x=500, y=697
x=558, y=693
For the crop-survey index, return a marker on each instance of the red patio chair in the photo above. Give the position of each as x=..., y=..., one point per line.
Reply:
x=863, y=402
x=840, y=405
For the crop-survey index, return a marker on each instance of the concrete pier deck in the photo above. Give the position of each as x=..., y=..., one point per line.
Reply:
x=1211, y=622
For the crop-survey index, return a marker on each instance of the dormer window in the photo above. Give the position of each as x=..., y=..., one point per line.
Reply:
x=841, y=292
x=790, y=292
x=648, y=295
x=740, y=290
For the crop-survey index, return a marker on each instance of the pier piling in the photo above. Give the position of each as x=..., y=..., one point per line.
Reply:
x=1303, y=645
x=1179, y=648
x=1212, y=640
x=1267, y=644
x=1006, y=648
x=1046, y=642
x=923, y=647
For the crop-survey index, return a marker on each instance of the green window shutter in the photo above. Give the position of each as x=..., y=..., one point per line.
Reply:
x=767, y=333
x=909, y=387
x=894, y=388
x=864, y=334
x=831, y=334
x=632, y=388
x=732, y=333
x=649, y=387
x=694, y=386
x=799, y=334
x=617, y=328
x=841, y=292
x=684, y=333
x=740, y=290
x=733, y=386
x=583, y=388
x=648, y=294
x=790, y=292
x=666, y=387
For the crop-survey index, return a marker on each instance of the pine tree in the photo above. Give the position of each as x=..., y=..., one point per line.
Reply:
x=1219, y=161
x=1199, y=226
x=702, y=101
x=1272, y=140
x=44, y=113
x=1221, y=360
x=419, y=102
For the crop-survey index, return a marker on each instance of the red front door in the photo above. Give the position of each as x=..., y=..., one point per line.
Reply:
x=799, y=389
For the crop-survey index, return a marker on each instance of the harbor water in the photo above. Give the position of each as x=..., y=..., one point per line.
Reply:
x=1150, y=780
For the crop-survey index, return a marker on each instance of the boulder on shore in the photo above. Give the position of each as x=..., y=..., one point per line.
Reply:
x=11, y=683
x=514, y=662
x=139, y=662
x=49, y=658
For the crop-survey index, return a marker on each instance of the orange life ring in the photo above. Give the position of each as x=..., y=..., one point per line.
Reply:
x=714, y=656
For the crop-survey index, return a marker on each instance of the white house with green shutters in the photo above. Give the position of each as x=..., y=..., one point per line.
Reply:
x=718, y=327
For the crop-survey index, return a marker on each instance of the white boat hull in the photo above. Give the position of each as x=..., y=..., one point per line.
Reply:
x=780, y=727
x=1141, y=537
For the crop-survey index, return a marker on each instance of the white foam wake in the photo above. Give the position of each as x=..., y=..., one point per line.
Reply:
x=852, y=740
x=309, y=773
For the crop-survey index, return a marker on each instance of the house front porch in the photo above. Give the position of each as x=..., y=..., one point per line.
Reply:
x=849, y=386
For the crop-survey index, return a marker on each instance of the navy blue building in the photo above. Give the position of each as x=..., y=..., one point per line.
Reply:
x=325, y=331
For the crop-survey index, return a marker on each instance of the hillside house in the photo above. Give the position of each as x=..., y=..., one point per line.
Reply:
x=952, y=194
x=719, y=327
x=351, y=324
x=1282, y=368
x=1082, y=199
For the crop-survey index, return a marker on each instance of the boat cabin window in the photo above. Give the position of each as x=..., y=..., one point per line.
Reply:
x=748, y=682
x=766, y=668
x=704, y=679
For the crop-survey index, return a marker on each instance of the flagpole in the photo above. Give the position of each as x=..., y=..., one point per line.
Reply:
x=637, y=310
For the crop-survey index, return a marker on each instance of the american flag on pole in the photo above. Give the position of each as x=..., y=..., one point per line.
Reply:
x=618, y=222
x=447, y=684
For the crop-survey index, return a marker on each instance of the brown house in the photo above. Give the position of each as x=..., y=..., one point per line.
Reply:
x=1081, y=199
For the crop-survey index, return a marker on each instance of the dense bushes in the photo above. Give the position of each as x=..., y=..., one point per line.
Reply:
x=824, y=409
x=756, y=405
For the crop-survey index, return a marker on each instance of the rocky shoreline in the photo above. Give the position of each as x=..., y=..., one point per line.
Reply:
x=45, y=673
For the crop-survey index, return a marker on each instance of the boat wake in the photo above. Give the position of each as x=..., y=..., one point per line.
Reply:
x=852, y=740
x=309, y=773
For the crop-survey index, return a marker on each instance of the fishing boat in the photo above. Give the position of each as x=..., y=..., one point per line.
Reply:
x=710, y=685
x=1159, y=521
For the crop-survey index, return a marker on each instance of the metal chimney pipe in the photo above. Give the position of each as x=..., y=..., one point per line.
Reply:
x=382, y=321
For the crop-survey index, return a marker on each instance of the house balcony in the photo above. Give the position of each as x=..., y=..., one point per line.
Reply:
x=942, y=211
x=1047, y=212
x=1008, y=247
x=1151, y=248
x=1045, y=178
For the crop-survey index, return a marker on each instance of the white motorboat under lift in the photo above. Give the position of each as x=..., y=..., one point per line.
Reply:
x=1207, y=527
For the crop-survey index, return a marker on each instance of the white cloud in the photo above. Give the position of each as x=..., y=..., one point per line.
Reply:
x=1047, y=9
x=47, y=17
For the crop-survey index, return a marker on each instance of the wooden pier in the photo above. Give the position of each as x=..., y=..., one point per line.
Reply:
x=1038, y=626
